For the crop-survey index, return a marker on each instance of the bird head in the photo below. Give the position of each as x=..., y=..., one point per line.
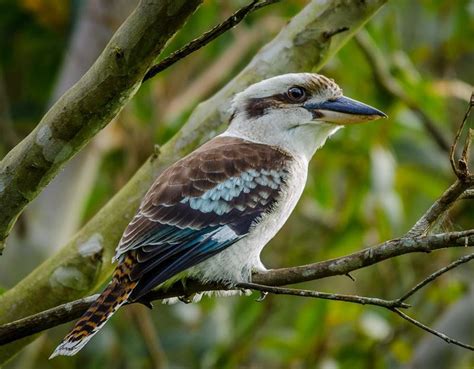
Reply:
x=296, y=112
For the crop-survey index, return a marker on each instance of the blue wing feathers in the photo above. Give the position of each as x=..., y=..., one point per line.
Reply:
x=164, y=262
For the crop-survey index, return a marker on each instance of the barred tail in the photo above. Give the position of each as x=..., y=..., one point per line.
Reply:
x=114, y=296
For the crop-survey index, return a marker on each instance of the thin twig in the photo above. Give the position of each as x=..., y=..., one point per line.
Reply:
x=461, y=174
x=207, y=37
x=432, y=331
x=362, y=300
x=439, y=207
x=449, y=197
x=435, y=275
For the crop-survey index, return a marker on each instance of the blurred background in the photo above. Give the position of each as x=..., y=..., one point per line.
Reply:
x=370, y=183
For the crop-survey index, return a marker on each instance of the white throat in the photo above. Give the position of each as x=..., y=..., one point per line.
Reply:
x=301, y=140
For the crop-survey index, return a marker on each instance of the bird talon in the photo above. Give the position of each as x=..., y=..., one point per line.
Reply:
x=187, y=299
x=262, y=297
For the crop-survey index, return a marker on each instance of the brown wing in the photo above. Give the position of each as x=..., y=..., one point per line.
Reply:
x=200, y=205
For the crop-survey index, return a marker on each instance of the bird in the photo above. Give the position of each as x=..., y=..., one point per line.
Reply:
x=209, y=215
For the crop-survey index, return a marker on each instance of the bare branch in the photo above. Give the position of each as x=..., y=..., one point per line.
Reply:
x=461, y=168
x=439, y=207
x=361, y=300
x=388, y=304
x=264, y=282
x=433, y=276
x=36, y=323
x=433, y=331
x=364, y=258
x=207, y=37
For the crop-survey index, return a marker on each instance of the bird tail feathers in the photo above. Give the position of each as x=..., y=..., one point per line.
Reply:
x=114, y=296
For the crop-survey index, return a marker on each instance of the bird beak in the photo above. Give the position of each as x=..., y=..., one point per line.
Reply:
x=342, y=111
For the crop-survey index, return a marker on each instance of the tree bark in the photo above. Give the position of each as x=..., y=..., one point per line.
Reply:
x=88, y=106
x=48, y=227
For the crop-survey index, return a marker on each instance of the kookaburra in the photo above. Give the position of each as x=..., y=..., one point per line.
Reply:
x=209, y=215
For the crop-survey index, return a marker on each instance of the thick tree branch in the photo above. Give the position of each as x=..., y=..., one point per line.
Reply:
x=88, y=106
x=84, y=263
x=49, y=227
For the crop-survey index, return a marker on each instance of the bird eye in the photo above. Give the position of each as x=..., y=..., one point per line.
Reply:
x=296, y=94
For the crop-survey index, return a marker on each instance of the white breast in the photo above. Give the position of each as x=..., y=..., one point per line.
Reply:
x=236, y=263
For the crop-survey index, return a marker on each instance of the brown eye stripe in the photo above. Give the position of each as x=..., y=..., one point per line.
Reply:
x=257, y=107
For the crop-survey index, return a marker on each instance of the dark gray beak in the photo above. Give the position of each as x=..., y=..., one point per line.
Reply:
x=343, y=110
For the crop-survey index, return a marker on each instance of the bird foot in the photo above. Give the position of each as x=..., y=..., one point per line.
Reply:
x=187, y=299
x=262, y=297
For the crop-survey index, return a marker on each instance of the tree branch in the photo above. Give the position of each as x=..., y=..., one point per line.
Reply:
x=439, y=207
x=461, y=167
x=84, y=263
x=88, y=106
x=207, y=37
x=432, y=331
x=268, y=282
x=361, y=300
x=433, y=276
x=365, y=258
x=464, y=182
